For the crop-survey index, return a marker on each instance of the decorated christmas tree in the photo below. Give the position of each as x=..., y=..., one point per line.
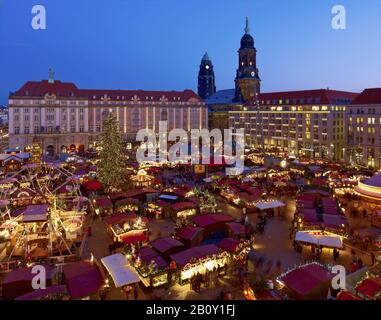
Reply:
x=112, y=167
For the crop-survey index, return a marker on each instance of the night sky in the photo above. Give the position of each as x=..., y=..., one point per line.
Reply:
x=158, y=44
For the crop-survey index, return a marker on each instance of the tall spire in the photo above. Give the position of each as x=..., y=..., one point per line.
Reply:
x=51, y=75
x=206, y=57
x=247, y=29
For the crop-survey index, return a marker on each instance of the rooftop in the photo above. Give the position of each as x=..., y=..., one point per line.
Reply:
x=68, y=90
x=305, y=97
x=369, y=96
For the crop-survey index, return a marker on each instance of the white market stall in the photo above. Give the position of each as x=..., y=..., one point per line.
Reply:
x=270, y=204
x=121, y=272
x=324, y=240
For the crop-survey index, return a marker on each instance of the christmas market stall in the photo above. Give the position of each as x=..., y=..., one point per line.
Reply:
x=127, y=228
x=83, y=279
x=182, y=210
x=103, y=206
x=238, y=250
x=320, y=239
x=307, y=282
x=167, y=246
x=151, y=267
x=200, y=260
x=214, y=225
x=121, y=272
x=127, y=205
x=191, y=236
x=237, y=230
x=270, y=206
x=155, y=209
x=19, y=282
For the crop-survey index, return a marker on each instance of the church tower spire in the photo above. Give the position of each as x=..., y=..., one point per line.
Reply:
x=247, y=81
x=206, y=78
x=247, y=28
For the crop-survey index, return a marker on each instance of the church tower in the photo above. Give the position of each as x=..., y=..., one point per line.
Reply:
x=206, y=79
x=247, y=81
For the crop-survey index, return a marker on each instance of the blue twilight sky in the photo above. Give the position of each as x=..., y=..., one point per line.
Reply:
x=158, y=44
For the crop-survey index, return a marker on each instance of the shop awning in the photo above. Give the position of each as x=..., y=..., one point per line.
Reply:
x=122, y=274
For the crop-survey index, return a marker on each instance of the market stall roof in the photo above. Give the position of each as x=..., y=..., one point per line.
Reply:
x=138, y=192
x=184, y=257
x=19, y=282
x=163, y=245
x=305, y=279
x=306, y=237
x=178, y=206
x=206, y=220
x=82, y=279
x=148, y=255
x=229, y=245
x=272, y=204
x=236, y=228
x=36, y=213
x=321, y=240
x=346, y=295
x=120, y=271
x=189, y=232
x=103, y=202
x=370, y=287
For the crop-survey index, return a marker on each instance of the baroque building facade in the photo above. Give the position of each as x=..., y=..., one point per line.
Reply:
x=63, y=117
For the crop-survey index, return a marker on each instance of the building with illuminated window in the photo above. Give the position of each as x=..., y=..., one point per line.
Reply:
x=363, y=129
x=300, y=123
x=63, y=117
